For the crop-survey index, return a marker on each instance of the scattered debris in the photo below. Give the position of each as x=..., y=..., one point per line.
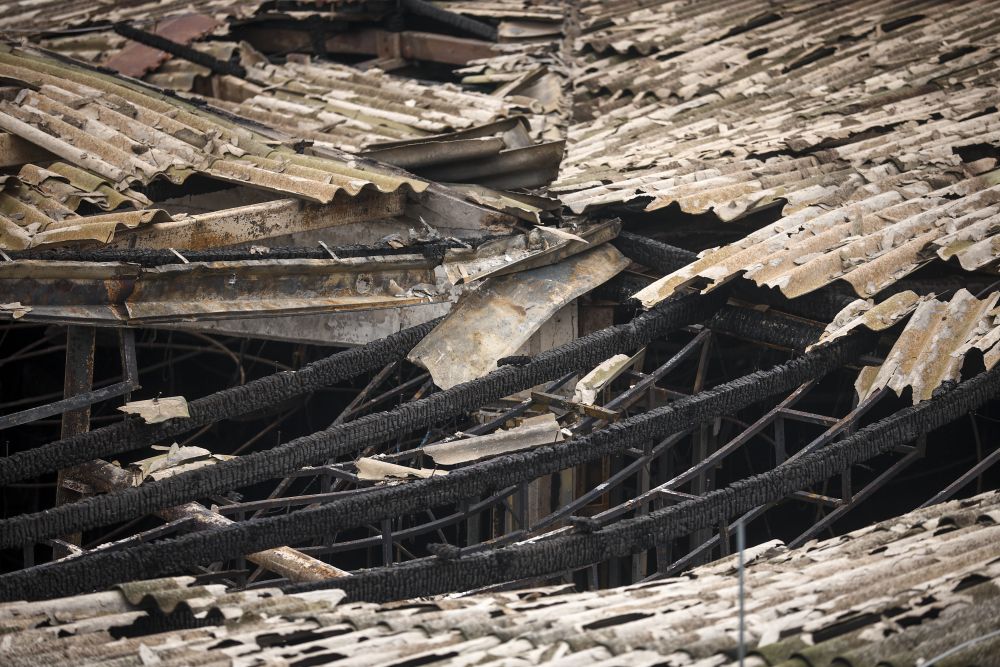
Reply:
x=156, y=410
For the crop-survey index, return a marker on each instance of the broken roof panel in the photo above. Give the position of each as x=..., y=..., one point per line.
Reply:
x=882, y=232
x=496, y=319
x=933, y=346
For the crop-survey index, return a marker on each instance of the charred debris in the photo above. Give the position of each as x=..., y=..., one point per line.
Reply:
x=311, y=306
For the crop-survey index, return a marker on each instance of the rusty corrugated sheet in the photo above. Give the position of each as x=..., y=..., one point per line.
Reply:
x=136, y=59
x=923, y=575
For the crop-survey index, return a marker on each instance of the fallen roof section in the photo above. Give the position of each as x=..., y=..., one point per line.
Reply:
x=904, y=590
x=496, y=319
x=932, y=348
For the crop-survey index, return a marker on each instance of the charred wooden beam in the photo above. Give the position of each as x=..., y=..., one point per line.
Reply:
x=289, y=563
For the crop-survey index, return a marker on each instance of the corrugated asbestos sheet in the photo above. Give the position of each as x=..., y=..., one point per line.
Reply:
x=320, y=100
x=863, y=123
x=108, y=135
x=37, y=16
x=932, y=347
x=891, y=594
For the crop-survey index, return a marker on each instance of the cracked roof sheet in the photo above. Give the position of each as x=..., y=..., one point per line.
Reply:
x=898, y=591
x=932, y=347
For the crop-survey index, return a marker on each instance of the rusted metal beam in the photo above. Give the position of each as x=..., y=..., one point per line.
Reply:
x=115, y=293
x=255, y=222
x=285, y=561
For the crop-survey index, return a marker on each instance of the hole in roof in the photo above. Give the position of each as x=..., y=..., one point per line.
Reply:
x=621, y=619
x=896, y=24
x=957, y=53
x=917, y=619
x=811, y=57
x=320, y=659
x=424, y=660
x=969, y=581
x=973, y=152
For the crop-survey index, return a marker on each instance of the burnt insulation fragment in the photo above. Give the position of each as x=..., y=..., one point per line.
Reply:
x=96, y=570
x=431, y=576
x=582, y=353
x=232, y=402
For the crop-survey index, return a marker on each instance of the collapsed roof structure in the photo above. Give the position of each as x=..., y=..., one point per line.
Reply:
x=456, y=298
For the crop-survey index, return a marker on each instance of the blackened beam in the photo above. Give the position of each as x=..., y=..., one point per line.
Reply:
x=180, y=50
x=285, y=561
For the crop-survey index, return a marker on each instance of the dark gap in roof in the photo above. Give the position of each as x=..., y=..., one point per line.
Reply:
x=155, y=621
x=425, y=660
x=751, y=24
x=973, y=152
x=691, y=231
x=957, y=53
x=320, y=659
x=910, y=621
x=896, y=24
x=268, y=639
x=810, y=58
x=667, y=55
x=849, y=624
x=969, y=581
x=162, y=189
x=620, y=619
x=757, y=53
x=945, y=529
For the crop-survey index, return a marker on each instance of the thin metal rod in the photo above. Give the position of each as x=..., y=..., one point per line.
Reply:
x=741, y=544
x=975, y=471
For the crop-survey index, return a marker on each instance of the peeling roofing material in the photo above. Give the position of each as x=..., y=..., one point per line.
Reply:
x=496, y=319
x=897, y=592
x=932, y=347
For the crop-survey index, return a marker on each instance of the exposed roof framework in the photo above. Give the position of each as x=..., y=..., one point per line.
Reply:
x=540, y=393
